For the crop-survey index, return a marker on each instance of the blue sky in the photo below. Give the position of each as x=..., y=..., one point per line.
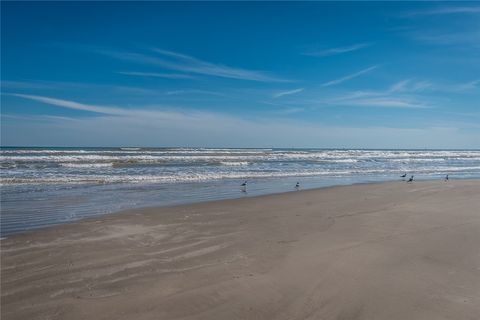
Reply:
x=321, y=74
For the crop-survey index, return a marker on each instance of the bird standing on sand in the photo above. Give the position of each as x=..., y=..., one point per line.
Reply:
x=446, y=177
x=411, y=179
x=297, y=185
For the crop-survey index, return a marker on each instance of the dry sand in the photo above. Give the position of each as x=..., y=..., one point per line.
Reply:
x=380, y=251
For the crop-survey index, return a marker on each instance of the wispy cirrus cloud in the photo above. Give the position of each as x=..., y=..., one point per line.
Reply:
x=337, y=50
x=412, y=86
x=402, y=94
x=286, y=93
x=447, y=10
x=348, y=77
x=66, y=85
x=189, y=64
x=464, y=87
x=71, y=104
x=460, y=26
x=435, y=37
x=144, y=114
x=194, y=91
x=291, y=110
x=378, y=99
x=386, y=102
x=408, y=85
x=399, y=86
x=157, y=75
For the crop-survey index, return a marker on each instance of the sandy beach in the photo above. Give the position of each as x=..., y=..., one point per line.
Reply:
x=378, y=251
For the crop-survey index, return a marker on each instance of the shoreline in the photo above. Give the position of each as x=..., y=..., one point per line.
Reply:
x=4, y=237
x=384, y=251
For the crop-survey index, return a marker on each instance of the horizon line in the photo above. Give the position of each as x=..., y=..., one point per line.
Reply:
x=222, y=147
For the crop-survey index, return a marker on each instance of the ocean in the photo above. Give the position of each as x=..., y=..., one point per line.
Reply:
x=47, y=186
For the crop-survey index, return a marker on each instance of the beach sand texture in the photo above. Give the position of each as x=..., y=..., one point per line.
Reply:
x=379, y=251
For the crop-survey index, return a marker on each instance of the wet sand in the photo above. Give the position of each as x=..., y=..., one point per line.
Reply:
x=378, y=251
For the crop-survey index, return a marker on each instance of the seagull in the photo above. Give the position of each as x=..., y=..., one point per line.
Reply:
x=403, y=175
x=297, y=185
x=446, y=177
x=244, y=186
x=411, y=179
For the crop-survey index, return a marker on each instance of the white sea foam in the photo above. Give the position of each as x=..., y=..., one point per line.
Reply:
x=206, y=176
x=234, y=163
x=131, y=165
x=87, y=165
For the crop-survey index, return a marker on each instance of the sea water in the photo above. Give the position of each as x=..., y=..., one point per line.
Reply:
x=46, y=186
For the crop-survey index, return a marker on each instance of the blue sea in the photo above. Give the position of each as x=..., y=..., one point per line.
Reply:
x=47, y=186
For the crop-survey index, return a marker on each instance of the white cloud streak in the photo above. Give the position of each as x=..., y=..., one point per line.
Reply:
x=188, y=64
x=338, y=50
x=194, y=91
x=286, y=93
x=409, y=85
x=468, y=86
x=72, y=105
x=406, y=93
x=157, y=75
x=349, y=77
x=402, y=94
x=65, y=85
x=387, y=103
x=399, y=86
x=447, y=10
x=466, y=37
